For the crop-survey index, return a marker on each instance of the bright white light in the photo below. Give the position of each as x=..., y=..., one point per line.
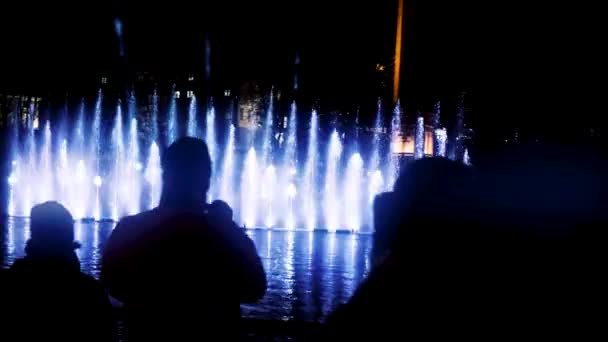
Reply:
x=12, y=179
x=441, y=136
x=97, y=181
x=249, y=189
x=293, y=171
x=14, y=163
x=352, y=192
x=331, y=201
x=177, y=94
x=290, y=222
x=310, y=224
x=291, y=190
x=267, y=194
x=376, y=183
x=80, y=171
x=466, y=159
x=138, y=166
x=419, y=138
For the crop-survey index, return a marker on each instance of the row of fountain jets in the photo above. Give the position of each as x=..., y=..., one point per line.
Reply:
x=265, y=186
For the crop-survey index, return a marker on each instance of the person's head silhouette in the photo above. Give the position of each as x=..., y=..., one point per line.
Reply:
x=51, y=231
x=186, y=173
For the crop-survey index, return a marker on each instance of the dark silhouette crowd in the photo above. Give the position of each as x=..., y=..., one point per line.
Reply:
x=512, y=249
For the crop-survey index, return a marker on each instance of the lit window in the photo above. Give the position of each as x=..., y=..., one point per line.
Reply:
x=227, y=92
x=189, y=93
x=104, y=80
x=190, y=77
x=177, y=93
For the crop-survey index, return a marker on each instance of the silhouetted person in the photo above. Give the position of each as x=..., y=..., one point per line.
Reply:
x=412, y=291
x=486, y=256
x=221, y=212
x=181, y=269
x=49, y=298
x=384, y=226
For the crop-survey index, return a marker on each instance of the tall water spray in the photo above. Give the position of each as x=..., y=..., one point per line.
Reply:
x=436, y=126
x=94, y=153
x=331, y=191
x=153, y=176
x=226, y=189
x=27, y=177
x=441, y=136
x=267, y=190
x=289, y=171
x=154, y=118
x=267, y=134
x=249, y=189
x=192, y=119
x=172, y=124
x=13, y=178
x=64, y=177
x=375, y=186
x=81, y=189
x=466, y=159
x=211, y=145
x=375, y=180
x=267, y=193
x=310, y=169
x=396, y=134
x=456, y=145
x=120, y=190
x=45, y=167
x=133, y=169
x=374, y=163
x=352, y=193
x=419, y=138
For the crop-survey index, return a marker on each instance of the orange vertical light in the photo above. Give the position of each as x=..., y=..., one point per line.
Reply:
x=397, y=70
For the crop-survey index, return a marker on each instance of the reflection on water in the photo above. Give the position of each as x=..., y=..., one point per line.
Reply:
x=309, y=273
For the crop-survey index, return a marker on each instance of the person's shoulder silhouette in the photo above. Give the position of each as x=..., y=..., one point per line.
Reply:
x=49, y=297
x=183, y=255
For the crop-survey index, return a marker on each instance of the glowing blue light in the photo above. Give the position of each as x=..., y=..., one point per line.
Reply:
x=118, y=27
x=441, y=138
x=12, y=179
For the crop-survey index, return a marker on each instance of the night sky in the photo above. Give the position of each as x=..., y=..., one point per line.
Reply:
x=519, y=62
x=338, y=42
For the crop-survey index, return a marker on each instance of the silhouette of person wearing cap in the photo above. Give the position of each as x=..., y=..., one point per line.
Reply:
x=49, y=298
x=183, y=269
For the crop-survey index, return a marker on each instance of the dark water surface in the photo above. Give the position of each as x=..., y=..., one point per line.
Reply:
x=309, y=274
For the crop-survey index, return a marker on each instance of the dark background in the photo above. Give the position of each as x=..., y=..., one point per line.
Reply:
x=527, y=67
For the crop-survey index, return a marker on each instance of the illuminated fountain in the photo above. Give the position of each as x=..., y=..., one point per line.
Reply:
x=331, y=200
x=192, y=120
x=310, y=170
x=396, y=128
x=153, y=176
x=249, y=189
x=227, y=173
x=106, y=169
x=211, y=143
x=172, y=129
x=289, y=171
x=352, y=193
